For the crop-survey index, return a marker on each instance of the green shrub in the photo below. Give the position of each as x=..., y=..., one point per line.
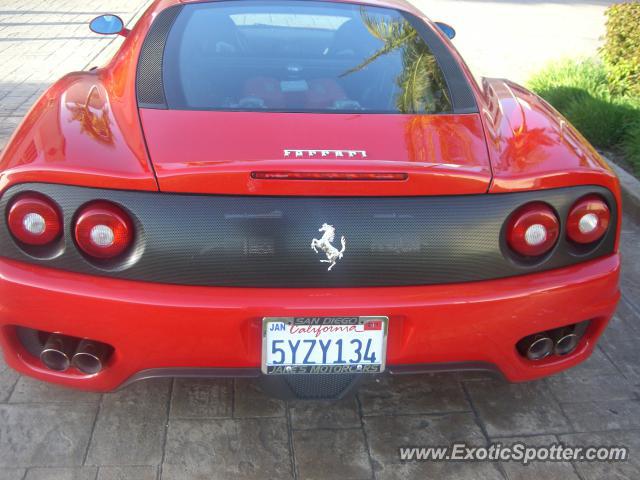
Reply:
x=602, y=122
x=621, y=51
x=580, y=91
x=585, y=77
x=631, y=146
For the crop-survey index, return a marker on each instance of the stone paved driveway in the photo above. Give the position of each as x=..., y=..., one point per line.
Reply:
x=224, y=429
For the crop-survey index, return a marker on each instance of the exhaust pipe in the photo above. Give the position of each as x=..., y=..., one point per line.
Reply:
x=90, y=356
x=57, y=352
x=536, y=347
x=565, y=341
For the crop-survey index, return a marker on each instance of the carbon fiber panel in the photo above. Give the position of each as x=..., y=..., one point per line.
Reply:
x=266, y=241
x=149, y=84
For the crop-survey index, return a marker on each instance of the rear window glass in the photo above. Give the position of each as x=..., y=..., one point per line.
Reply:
x=293, y=56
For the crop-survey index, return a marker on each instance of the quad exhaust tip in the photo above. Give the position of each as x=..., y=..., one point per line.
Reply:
x=565, y=342
x=61, y=352
x=90, y=356
x=537, y=347
x=561, y=341
x=57, y=352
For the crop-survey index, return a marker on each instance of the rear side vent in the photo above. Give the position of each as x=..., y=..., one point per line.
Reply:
x=150, y=89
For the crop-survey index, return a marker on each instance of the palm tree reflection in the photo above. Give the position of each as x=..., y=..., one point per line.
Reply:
x=421, y=83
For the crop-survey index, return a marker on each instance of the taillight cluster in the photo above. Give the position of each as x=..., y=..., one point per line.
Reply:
x=588, y=220
x=533, y=229
x=101, y=229
x=34, y=219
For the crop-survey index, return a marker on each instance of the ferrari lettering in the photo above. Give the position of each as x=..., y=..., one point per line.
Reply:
x=325, y=153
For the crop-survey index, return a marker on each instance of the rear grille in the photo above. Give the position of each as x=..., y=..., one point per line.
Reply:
x=251, y=241
x=320, y=387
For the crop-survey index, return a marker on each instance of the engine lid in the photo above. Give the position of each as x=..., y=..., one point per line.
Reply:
x=229, y=152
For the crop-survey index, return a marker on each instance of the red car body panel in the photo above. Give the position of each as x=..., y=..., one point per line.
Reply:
x=532, y=146
x=87, y=130
x=442, y=154
x=221, y=326
x=77, y=133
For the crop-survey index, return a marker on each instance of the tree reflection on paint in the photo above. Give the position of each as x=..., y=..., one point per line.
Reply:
x=422, y=85
x=93, y=116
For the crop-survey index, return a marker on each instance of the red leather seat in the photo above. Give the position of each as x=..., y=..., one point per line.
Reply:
x=267, y=89
x=324, y=93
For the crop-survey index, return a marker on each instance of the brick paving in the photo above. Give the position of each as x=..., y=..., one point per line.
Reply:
x=221, y=429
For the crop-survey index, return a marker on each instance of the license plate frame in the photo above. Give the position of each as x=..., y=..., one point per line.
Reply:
x=360, y=322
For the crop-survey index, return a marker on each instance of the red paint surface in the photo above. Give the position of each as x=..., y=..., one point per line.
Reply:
x=442, y=154
x=152, y=325
x=532, y=146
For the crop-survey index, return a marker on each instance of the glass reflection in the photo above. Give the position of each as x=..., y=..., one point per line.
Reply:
x=296, y=56
x=421, y=82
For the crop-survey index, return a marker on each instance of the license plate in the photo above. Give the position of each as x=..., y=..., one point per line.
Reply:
x=320, y=345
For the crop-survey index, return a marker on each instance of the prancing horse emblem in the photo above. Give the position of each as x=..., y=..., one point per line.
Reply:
x=324, y=244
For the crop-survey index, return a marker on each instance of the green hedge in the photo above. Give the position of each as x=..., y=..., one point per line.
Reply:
x=580, y=90
x=631, y=143
x=621, y=51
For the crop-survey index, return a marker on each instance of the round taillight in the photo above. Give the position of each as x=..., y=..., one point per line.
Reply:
x=103, y=230
x=533, y=229
x=588, y=220
x=34, y=219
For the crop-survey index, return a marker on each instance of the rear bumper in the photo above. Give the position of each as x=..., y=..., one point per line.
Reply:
x=156, y=326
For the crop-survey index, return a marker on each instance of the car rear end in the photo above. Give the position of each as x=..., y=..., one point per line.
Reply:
x=323, y=213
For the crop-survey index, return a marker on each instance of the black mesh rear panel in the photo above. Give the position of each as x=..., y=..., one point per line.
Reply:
x=319, y=387
x=150, y=88
x=266, y=241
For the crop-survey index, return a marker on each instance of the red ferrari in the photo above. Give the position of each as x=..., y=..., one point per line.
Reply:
x=305, y=192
